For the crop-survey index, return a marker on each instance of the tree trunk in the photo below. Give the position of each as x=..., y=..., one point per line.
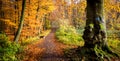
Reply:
x=95, y=46
x=21, y=22
x=95, y=30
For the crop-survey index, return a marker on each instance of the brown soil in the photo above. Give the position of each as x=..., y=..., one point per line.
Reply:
x=47, y=49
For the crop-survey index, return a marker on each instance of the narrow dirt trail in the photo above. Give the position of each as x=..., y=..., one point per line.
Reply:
x=53, y=50
x=47, y=49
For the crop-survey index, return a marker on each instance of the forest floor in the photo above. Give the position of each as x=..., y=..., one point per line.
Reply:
x=47, y=49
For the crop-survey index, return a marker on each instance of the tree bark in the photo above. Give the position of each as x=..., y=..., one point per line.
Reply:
x=95, y=30
x=21, y=22
x=96, y=48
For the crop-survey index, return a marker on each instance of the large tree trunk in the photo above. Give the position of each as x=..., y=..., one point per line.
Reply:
x=95, y=32
x=95, y=46
x=21, y=22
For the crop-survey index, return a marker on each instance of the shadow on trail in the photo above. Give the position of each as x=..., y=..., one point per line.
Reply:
x=53, y=50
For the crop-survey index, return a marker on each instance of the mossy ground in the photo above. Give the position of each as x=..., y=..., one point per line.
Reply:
x=91, y=54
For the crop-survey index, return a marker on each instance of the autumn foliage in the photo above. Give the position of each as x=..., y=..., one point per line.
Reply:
x=35, y=12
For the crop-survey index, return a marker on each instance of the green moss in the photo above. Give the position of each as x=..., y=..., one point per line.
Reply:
x=91, y=25
x=102, y=26
x=101, y=54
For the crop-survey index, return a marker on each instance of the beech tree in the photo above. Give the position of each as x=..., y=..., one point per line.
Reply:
x=95, y=32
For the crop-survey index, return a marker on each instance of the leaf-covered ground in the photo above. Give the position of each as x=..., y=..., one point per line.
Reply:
x=47, y=49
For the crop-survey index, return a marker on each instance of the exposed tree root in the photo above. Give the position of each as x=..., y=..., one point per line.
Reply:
x=91, y=54
x=97, y=53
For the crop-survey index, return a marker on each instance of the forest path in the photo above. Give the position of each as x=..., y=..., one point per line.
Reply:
x=53, y=50
x=46, y=49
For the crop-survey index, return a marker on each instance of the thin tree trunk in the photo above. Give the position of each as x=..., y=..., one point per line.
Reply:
x=21, y=22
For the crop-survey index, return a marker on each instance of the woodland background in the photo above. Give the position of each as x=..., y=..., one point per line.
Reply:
x=43, y=15
x=38, y=13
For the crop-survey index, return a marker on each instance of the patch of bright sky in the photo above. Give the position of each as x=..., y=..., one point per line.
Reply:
x=69, y=1
x=76, y=1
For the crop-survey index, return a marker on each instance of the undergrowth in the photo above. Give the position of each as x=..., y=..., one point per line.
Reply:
x=114, y=45
x=9, y=51
x=82, y=53
x=29, y=40
x=69, y=35
x=34, y=39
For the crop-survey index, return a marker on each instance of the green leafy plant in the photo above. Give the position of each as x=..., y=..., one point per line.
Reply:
x=8, y=49
x=29, y=40
x=69, y=35
x=115, y=45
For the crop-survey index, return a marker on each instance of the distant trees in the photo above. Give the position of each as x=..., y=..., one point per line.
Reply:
x=35, y=12
x=9, y=17
x=112, y=10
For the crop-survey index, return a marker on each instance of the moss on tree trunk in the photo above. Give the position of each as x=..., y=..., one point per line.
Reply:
x=95, y=32
x=95, y=48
